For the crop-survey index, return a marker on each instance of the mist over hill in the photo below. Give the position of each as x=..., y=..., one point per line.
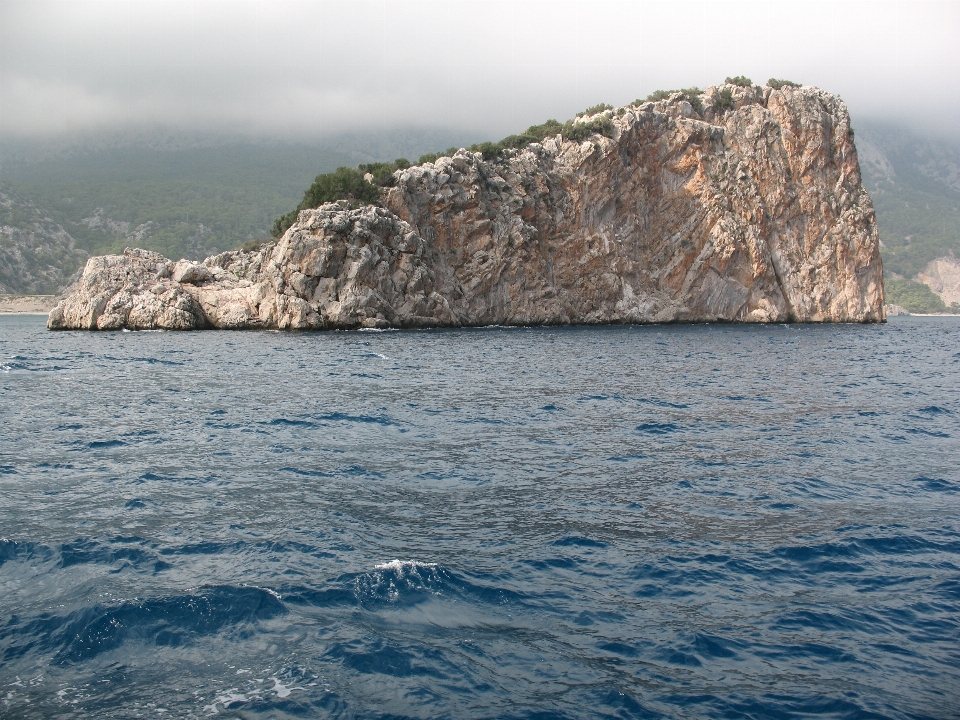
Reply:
x=915, y=185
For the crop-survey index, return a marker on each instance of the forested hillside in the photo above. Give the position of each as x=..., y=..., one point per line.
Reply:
x=915, y=186
x=60, y=207
x=36, y=253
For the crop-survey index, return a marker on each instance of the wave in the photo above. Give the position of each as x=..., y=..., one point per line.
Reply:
x=164, y=621
x=657, y=428
x=400, y=584
x=313, y=421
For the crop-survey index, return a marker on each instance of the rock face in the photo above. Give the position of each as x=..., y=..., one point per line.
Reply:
x=752, y=214
x=943, y=277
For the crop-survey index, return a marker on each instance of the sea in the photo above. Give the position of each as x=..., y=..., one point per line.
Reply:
x=661, y=521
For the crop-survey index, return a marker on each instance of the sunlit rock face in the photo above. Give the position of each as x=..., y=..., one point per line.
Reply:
x=755, y=213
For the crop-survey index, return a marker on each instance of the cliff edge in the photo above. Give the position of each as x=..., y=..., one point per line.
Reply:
x=746, y=208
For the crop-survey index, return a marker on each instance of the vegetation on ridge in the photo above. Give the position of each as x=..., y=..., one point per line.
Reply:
x=342, y=184
x=690, y=94
x=723, y=101
x=777, y=84
x=349, y=184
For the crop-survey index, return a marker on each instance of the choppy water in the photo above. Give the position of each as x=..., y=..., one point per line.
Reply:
x=618, y=522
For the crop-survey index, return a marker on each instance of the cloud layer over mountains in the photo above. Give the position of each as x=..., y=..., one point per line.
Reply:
x=309, y=69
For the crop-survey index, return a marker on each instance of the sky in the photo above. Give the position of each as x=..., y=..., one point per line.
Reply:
x=310, y=70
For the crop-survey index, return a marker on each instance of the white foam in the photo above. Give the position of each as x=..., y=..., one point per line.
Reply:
x=266, y=590
x=226, y=699
x=401, y=565
x=282, y=690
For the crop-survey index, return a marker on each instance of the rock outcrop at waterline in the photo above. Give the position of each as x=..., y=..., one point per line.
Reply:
x=750, y=214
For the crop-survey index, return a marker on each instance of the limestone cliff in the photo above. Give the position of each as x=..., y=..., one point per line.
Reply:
x=750, y=213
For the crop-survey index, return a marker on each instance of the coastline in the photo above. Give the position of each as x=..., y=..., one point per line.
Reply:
x=932, y=315
x=27, y=304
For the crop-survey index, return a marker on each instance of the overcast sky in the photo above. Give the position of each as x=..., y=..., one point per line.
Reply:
x=310, y=70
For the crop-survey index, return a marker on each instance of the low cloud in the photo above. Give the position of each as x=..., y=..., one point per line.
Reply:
x=309, y=70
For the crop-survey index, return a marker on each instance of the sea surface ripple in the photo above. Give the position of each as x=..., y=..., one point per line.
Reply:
x=708, y=521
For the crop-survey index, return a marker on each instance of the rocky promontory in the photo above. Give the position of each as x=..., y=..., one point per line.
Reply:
x=743, y=206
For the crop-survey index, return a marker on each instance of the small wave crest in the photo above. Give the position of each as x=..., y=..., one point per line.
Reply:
x=403, y=582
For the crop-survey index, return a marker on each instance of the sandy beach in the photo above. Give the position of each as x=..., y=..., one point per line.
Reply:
x=27, y=304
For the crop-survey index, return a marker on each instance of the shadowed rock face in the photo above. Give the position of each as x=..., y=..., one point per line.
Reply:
x=756, y=214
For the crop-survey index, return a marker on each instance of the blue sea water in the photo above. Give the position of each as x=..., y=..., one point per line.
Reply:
x=708, y=521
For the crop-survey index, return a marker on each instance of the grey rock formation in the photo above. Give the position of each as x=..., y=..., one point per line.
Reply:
x=753, y=214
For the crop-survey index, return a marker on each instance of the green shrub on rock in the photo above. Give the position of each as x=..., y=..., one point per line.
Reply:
x=777, y=84
x=740, y=81
x=342, y=184
x=582, y=130
x=593, y=110
x=488, y=150
x=723, y=101
x=549, y=128
x=383, y=172
x=282, y=223
x=690, y=94
x=251, y=245
x=656, y=96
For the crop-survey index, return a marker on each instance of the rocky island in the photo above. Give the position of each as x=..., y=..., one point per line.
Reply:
x=740, y=204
